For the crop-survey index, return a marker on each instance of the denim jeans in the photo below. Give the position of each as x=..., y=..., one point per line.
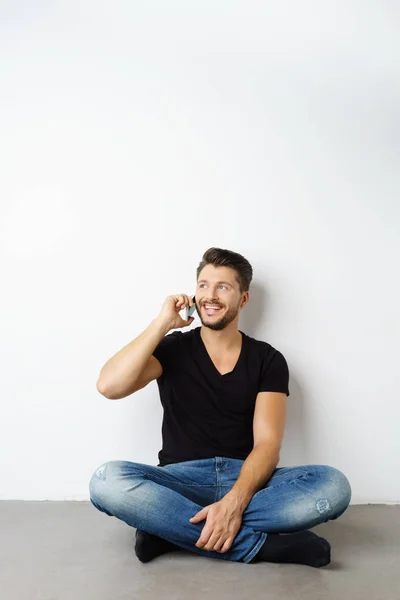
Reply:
x=161, y=500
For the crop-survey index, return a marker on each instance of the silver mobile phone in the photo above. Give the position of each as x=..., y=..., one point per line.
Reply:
x=188, y=311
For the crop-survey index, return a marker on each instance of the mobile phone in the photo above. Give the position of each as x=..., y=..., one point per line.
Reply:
x=191, y=309
x=188, y=311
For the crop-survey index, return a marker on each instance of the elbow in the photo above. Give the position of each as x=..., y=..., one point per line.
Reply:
x=275, y=455
x=271, y=448
x=111, y=392
x=105, y=390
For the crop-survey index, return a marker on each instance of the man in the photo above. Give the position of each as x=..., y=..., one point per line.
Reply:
x=217, y=490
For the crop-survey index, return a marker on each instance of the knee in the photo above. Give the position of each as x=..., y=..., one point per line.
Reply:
x=335, y=491
x=103, y=481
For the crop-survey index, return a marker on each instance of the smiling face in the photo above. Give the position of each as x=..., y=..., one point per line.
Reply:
x=218, y=297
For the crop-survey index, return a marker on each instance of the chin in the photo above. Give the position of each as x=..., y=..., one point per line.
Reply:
x=217, y=325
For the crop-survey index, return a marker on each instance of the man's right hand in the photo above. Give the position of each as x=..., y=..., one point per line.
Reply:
x=170, y=311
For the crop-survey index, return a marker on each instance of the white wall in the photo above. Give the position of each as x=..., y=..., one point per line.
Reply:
x=135, y=135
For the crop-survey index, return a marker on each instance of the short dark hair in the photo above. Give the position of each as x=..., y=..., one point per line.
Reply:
x=220, y=257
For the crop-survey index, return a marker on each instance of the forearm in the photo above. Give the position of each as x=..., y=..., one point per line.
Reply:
x=255, y=472
x=123, y=369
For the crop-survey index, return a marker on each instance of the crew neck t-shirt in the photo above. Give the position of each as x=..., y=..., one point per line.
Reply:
x=207, y=414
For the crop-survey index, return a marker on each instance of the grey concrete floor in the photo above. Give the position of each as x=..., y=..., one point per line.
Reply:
x=70, y=551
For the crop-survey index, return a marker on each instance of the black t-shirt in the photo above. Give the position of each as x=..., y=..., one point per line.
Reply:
x=207, y=414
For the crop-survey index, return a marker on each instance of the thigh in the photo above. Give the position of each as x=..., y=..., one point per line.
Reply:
x=296, y=498
x=190, y=479
x=194, y=479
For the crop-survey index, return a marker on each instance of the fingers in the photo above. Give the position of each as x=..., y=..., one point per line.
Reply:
x=201, y=515
x=196, y=518
x=179, y=302
x=227, y=545
x=221, y=545
x=218, y=545
x=182, y=301
x=213, y=543
x=204, y=538
x=209, y=538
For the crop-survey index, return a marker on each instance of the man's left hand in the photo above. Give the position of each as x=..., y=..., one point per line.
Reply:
x=224, y=519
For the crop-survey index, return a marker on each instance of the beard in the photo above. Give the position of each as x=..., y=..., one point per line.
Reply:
x=217, y=324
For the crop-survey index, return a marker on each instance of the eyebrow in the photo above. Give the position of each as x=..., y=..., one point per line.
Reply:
x=205, y=281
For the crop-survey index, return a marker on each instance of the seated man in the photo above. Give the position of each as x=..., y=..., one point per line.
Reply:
x=217, y=490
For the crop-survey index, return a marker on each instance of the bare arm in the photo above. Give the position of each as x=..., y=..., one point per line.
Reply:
x=268, y=427
x=120, y=375
x=225, y=517
x=133, y=366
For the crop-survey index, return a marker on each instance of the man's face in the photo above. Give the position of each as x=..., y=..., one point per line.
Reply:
x=217, y=286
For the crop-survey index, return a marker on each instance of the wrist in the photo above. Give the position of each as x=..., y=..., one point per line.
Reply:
x=162, y=325
x=237, y=500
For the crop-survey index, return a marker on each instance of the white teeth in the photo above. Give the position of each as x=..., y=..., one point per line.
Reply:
x=213, y=307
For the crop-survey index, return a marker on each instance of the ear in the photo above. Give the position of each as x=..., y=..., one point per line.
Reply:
x=245, y=299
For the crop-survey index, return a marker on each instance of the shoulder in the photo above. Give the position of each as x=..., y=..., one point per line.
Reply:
x=172, y=348
x=268, y=354
x=183, y=335
x=177, y=337
x=274, y=370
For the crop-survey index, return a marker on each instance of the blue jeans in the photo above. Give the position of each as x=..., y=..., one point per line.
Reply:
x=161, y=500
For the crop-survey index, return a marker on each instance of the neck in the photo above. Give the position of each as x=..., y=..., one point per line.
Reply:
x=226, y=339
